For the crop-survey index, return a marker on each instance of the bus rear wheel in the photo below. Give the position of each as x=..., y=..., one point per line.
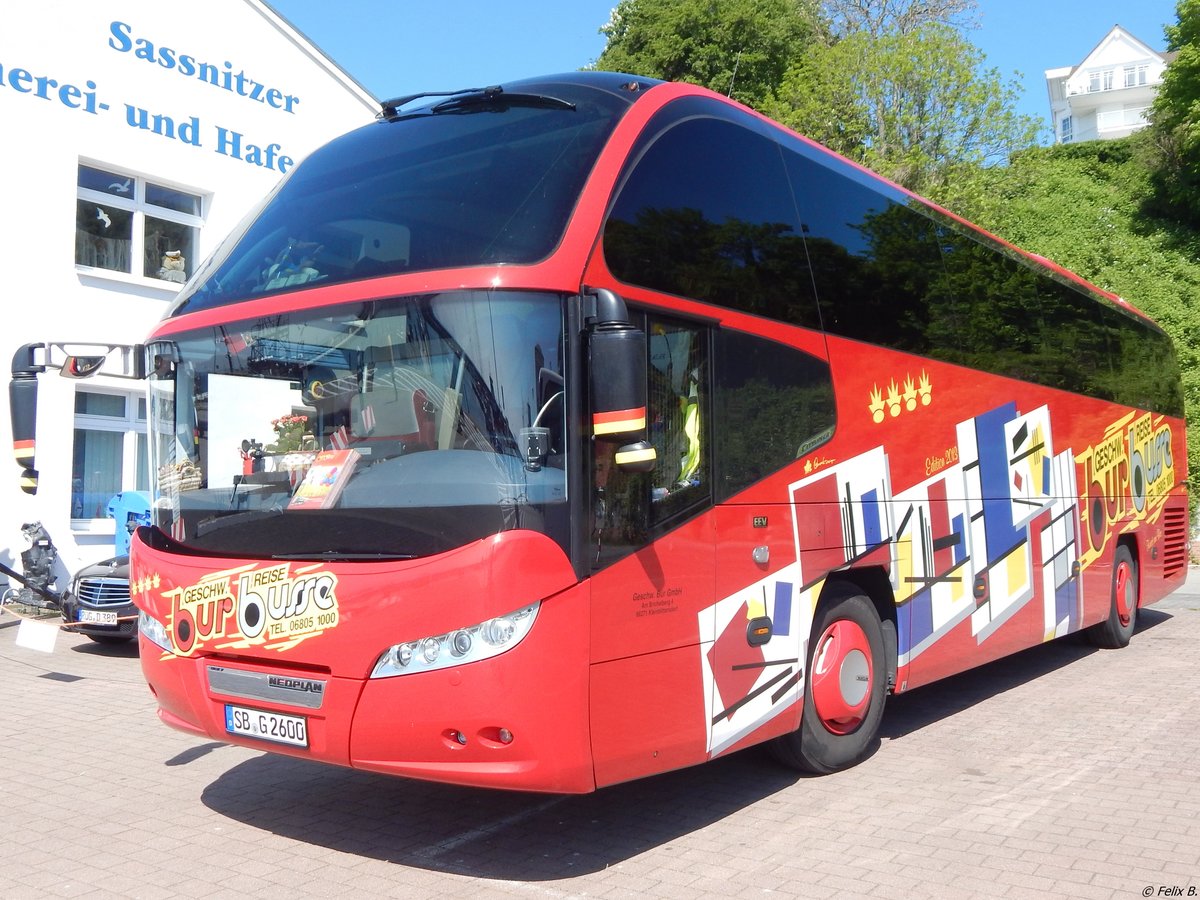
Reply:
x=1115, y=631
x=845, y=690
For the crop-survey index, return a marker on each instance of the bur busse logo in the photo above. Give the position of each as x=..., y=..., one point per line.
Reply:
x=274, y=608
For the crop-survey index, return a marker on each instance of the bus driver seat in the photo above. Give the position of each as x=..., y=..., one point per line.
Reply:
x=399, y=412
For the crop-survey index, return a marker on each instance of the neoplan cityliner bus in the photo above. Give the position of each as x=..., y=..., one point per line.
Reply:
x=637, y=429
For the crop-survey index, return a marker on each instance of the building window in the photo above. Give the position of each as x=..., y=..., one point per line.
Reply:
x=109, y=452
x=1107, y=78
x=1093, y=82
x=1136, y=75
x=126, y=223
x=1066, y=130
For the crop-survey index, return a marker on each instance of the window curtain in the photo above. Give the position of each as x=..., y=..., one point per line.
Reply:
x=96, y=473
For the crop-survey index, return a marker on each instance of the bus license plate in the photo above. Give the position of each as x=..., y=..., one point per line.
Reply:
x=266, y=726
x=97, y=617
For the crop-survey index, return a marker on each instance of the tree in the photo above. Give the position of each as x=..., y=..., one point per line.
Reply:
x=877, y=18
x=915, y=106
x=1175, y=115
x=1083, y=206
x=740, y=48
x=889, y=83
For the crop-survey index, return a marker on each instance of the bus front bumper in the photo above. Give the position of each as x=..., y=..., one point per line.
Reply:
x=517, y=721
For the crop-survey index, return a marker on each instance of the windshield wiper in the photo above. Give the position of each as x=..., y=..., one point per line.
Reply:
x=391, y=108
x=489, y=99
x=499, y=102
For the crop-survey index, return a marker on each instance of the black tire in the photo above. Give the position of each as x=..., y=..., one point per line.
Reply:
x=846, y=669
x=1115, y=631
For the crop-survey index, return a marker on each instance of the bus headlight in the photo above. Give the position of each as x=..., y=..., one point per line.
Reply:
x=155, y=630
x=457, y=647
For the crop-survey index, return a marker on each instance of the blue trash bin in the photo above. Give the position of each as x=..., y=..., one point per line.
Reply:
x=129, y=509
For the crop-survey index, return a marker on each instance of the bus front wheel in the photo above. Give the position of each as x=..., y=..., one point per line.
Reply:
x=845, y=690
x=1115, y=631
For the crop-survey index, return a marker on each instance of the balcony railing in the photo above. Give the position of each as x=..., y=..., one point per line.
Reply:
x=1109, y=120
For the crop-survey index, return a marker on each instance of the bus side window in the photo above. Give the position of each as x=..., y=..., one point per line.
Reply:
x=677, y=417
x=707, y=212
x=774, y=404
x=629, y=509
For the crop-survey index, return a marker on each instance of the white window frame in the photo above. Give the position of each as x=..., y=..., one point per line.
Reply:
x=1066, y=130
x=133, y=426
x=140, y=208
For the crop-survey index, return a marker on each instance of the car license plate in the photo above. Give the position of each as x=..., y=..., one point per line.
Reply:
x=266, y=726
x=97, y=617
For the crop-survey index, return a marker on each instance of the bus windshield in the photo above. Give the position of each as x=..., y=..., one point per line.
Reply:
x=450, y=185
x=394, y=428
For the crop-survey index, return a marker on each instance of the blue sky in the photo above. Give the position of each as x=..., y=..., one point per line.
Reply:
x=399, y=46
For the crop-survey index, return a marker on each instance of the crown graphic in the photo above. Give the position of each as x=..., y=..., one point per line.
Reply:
x=876, y=406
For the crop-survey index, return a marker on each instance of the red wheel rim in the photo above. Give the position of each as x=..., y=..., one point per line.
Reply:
x=842, y=676
x=1123, y=585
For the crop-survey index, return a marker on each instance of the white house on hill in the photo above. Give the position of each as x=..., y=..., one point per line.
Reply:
x=1109, y=93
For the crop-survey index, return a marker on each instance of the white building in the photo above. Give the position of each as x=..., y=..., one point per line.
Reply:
x=135, y=135
x=1109, y=93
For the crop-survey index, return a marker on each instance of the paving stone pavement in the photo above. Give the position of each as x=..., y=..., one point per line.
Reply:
x=1064, y=771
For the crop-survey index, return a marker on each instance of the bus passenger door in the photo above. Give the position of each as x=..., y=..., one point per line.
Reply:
x=652, y=555
x=774, y=413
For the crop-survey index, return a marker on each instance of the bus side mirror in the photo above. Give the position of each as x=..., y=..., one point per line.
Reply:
x=81, y=366
x=82, y=360
x=72, y=361
x=22, y=405
x=617, y=353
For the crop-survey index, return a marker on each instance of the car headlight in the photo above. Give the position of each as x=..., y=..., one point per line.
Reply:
x=155, y=630
x=458, y=647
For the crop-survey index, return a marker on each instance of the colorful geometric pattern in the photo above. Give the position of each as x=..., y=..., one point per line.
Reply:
x=1000, y=500
x=745, y=686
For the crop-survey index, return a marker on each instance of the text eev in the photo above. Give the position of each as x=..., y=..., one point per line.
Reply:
x=46, y=88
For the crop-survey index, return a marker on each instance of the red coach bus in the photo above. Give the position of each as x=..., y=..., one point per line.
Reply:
x=617, y=429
